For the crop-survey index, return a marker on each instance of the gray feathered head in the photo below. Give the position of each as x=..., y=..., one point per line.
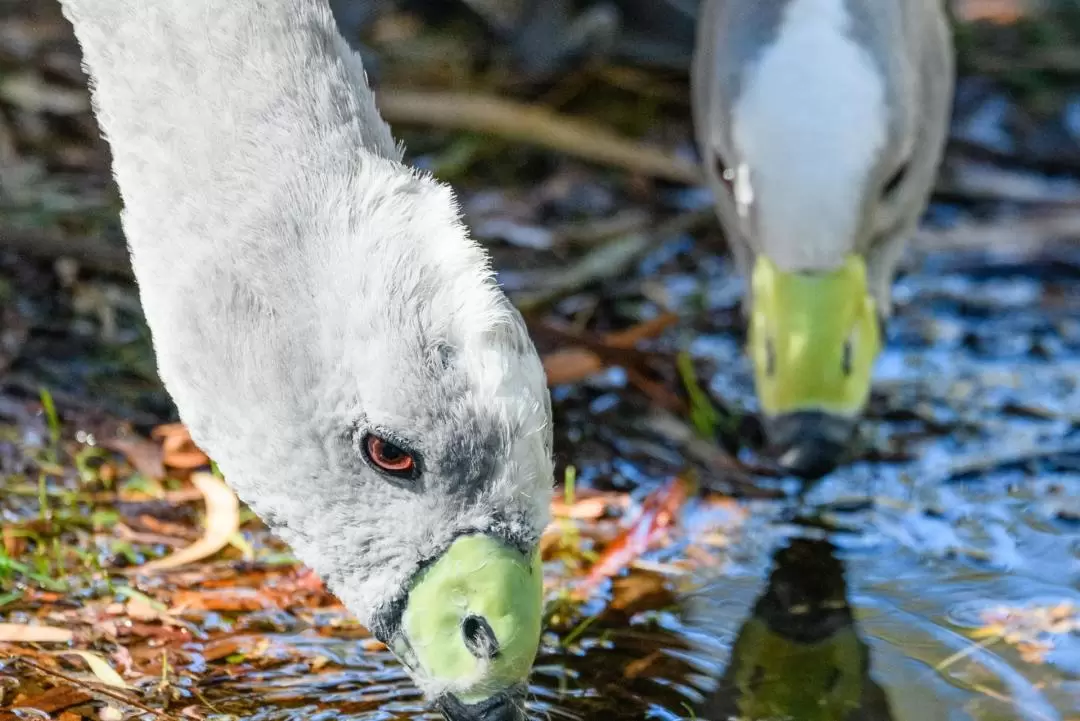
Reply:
x=328, y=331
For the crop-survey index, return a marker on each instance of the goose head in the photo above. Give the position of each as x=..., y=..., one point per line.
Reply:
x=371, y=394
x=328, y=330
x=821, y=124
x=385, y=413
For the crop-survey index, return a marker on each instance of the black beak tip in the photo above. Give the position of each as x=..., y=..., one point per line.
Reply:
x=810, y=460
x=508, y=706
x=810, y=445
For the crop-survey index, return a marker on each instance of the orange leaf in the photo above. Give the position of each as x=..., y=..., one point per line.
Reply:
x=146, y=457
x=222, y=599
x=1003, y=12
x=186, y=460
x=574, y=364
x=21, y=633
x=588, y=505
x=179, y=449
x=659, y=512
x=571, y=365
x=642, y=331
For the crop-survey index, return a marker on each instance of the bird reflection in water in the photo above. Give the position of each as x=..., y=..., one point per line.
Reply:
x=799, y=656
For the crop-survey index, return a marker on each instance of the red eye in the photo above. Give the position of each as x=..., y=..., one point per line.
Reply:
x=388, y=457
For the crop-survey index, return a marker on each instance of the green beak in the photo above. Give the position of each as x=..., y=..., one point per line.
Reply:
x=813, y=339
x=471, y=625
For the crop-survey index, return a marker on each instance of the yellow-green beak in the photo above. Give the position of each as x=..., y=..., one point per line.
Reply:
x=471, y=628
x=813, y=340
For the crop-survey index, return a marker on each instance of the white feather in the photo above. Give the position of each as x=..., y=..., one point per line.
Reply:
x=809, y=125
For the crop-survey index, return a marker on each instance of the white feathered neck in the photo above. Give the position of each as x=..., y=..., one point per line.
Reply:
x=299, y=280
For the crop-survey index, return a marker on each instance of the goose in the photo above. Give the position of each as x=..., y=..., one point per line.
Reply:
x=328, y=330
x=821, y=125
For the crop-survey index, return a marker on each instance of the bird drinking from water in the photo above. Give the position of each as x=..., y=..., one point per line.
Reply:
x=821, y=124
x=328, y=331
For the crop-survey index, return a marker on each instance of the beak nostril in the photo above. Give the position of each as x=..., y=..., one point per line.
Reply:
x=479, y=638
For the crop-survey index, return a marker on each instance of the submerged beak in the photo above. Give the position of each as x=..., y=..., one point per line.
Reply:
x=470, y=629
x=809, y=444
x=507, y=706
x=813, y=339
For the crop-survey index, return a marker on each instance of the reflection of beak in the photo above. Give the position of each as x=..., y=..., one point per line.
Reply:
x=809, y=444
x=470, y=629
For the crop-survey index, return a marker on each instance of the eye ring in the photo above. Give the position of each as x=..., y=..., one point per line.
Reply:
x=389, y=457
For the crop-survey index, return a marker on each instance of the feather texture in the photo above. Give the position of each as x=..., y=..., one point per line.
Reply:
x=304, y=288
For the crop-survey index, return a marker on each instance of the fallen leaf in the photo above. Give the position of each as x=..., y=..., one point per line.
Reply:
x=642, y=331
x=658, y=512
x=225, y=599
x=19, y=633
x=571, y=365
x=589, y=507
x=1003, y=12
x=56, y=699
x=179, y=450
x=574, y=364
x=634, y=669
x=222, y=521
x=147, y=457
x=101, y=668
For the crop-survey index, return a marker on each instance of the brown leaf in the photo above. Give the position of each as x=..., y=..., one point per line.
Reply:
x=571, y=365
x=1003, y=12
x=222, y=521
x=646, y=330
x=639, y=590
x=147, y=457
x=179, y=449
x=101, y=668
x=20, y=633
x=231, y=599
x=217, y=650
x=589, y=505
x=187, y=460
x=659, y=511
x=56, y=699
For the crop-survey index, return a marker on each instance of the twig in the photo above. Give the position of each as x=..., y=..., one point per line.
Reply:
x=1060, y=164
x=716, y=459
x=610, y=260
x=94, y=689
x=1028, y=234
x=967, y=651
x=535, y=125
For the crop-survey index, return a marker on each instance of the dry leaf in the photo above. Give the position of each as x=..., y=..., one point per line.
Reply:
x=1003, y=12
x=571, y=365
x=147, y=458
x=574, y=364
x=55, y=699
x=178, y=448
x=659, y=512
x=229, y=600
x=589, y=505
x=222, y=521
x=101, y=668
x=19, y=633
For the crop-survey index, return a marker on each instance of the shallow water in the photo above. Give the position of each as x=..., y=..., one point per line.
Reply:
x=868, y=593
x=978, y=389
